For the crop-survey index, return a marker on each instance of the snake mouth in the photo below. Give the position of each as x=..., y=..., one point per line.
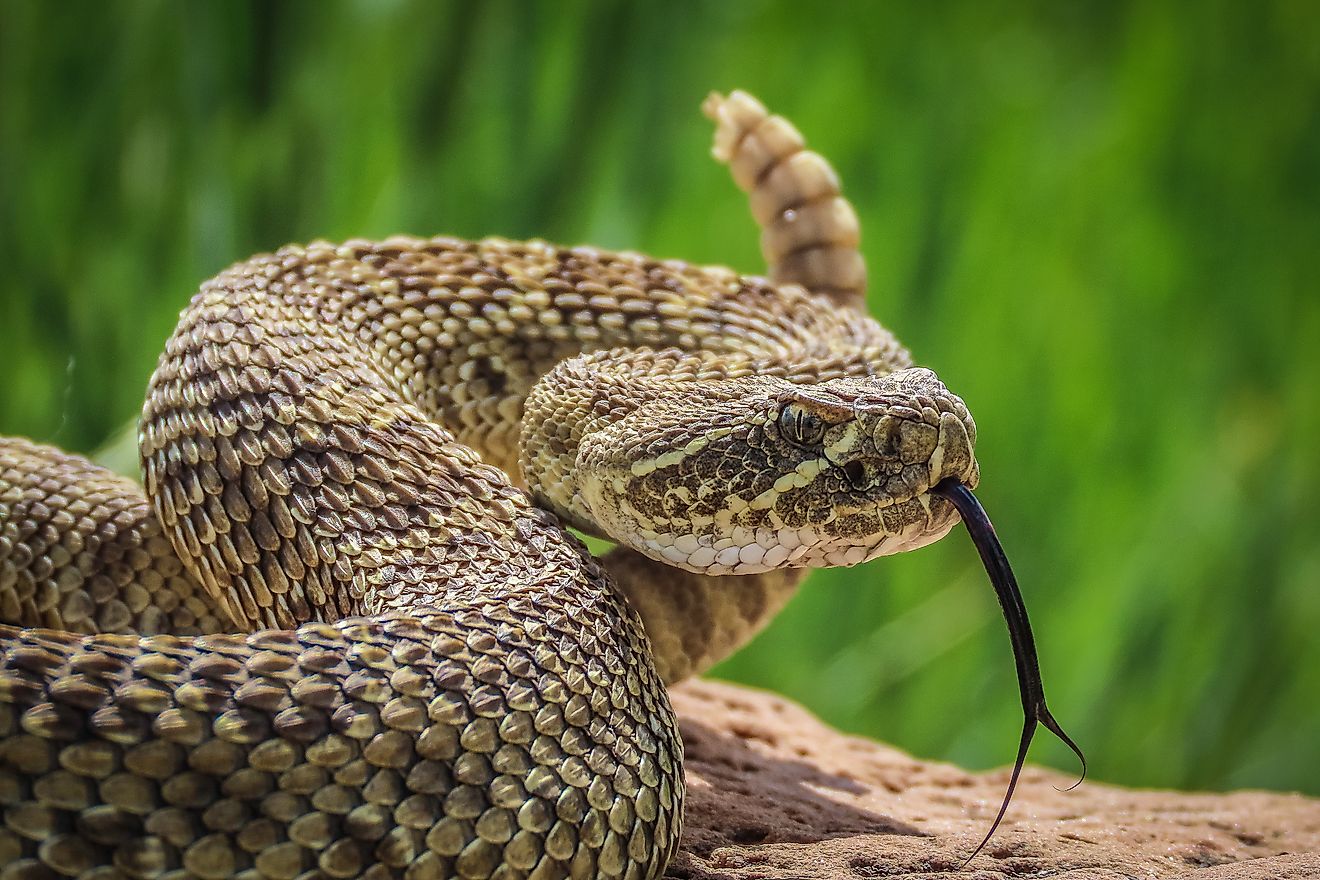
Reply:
x=910, y=515
x=1034, y=710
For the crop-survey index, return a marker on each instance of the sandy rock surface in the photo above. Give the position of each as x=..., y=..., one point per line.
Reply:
x=774, y=793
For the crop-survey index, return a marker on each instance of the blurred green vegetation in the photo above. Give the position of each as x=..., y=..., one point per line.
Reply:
x=1099, y=222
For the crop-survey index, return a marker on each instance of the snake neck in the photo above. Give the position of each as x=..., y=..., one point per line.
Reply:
x=693, y=620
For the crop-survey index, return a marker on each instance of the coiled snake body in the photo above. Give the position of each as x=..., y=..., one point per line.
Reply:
x=344, y=633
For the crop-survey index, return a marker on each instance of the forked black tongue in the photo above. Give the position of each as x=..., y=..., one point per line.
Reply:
x=1034, y=710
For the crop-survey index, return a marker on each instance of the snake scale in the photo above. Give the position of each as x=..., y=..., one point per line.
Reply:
x=344, y=632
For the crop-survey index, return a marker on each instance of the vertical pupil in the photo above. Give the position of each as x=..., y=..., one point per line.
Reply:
x=799, y=425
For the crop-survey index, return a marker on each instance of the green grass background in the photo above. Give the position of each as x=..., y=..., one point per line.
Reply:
x=1100, y=222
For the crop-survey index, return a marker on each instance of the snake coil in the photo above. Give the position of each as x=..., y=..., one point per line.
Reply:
x=341, y=630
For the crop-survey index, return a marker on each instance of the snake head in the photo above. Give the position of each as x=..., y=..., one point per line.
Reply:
x=768, y=474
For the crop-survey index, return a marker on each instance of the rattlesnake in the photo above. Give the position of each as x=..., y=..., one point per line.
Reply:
x=344, y=631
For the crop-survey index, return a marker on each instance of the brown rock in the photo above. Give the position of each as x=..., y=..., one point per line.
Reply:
x=774, y=793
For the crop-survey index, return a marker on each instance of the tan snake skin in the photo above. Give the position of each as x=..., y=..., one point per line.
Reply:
x=336, y=639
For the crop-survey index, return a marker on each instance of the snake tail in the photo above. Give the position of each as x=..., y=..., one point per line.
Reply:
x=809, y=232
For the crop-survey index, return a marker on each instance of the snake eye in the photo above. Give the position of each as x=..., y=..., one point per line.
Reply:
x=800, y=425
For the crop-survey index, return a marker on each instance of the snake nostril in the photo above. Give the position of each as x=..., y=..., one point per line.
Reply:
x=857, y=476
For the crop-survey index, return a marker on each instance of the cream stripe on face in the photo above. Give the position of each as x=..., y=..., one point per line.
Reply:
x=677, y=456
x=849, y=439
x=799, y=478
